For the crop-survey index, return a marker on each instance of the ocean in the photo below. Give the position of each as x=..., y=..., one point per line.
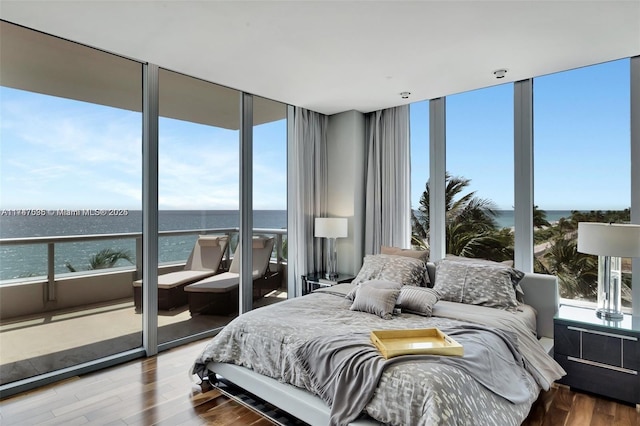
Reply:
x=17, y=261
x=505, y=217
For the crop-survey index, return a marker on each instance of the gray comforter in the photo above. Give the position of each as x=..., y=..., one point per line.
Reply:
x=345, y=369
x=414, y=392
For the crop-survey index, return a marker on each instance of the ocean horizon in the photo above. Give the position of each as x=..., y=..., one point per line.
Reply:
x=18, y=261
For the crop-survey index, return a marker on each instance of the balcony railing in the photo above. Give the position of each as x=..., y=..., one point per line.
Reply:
x=126, y=273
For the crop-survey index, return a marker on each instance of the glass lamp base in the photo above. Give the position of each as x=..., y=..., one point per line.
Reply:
x=609, y=295
x=332, y=260
x=609, y=315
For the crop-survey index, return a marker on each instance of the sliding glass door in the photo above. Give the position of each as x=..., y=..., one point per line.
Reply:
x=70, y=204
x=198, y=201
x=71, y=237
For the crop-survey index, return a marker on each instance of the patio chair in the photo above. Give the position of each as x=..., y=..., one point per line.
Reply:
x=218, y=295
x=204, y=261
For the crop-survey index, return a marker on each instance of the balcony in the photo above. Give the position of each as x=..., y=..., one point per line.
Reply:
x=60, y=320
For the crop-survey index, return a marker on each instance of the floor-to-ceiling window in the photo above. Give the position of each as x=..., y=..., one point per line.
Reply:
x=71, y=255
x=419, y=134
x=198, y=194
x=582, y=169
x=70, y=204
x=270, y=198
x=479, y=194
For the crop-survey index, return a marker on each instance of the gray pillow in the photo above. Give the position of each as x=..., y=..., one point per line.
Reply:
x=377, y=301
x=516, y=275
x=373, y=283
x=475, y=283
x=402, y=269
x=417, y=300
x=417, y=254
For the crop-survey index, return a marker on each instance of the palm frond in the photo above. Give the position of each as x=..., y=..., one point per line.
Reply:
x=107, y=258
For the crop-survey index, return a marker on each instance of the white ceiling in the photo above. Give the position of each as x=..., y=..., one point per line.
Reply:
x=333, y=56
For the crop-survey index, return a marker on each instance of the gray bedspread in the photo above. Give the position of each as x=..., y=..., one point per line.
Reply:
x=414, y=392
x=344, y=369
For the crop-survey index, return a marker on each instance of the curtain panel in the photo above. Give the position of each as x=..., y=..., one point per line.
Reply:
x=309, y=179
x=388, y=180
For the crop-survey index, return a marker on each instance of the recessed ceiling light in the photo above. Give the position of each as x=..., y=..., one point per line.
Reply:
x=405, y=95
x=500, y=73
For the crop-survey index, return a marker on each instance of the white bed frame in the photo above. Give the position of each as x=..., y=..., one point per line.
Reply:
x=541, y=292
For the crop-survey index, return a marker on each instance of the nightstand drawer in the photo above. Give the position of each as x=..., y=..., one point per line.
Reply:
x=631, y=355
x=599, y=356
x=602, y=347
x=604, y=381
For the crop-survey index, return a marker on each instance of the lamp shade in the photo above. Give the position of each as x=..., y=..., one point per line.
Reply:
x=609, y=239
x=331, y=227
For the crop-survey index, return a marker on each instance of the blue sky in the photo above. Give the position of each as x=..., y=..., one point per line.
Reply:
x=57, y=153
x=581, y=140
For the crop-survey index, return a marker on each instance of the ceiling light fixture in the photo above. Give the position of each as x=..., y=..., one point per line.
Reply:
x=500, y=73
x=405, y=95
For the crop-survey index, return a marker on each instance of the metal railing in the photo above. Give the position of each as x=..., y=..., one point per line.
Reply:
x=51, y=242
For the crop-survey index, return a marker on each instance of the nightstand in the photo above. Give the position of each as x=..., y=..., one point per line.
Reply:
x=599, y=356
x=317, y=280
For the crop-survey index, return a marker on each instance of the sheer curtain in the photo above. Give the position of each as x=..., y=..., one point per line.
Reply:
x=308, y=195
x=388, y=203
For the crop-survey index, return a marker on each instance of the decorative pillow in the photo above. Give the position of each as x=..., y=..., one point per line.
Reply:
x=417, y=300
x=416, y=254
x=508, y=263
x=476, y=283
x=516, y=275
x=401, y=269
x=377, y=301
x=375, y=284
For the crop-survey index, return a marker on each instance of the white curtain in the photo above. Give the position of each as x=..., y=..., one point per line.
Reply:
x=308, y=198
x=388, y=203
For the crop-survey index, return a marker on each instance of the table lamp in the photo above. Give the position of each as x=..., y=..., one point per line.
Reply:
x=331, y=228
x=609, y=240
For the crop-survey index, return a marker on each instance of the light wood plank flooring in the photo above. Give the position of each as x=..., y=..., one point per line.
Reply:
x=159, y=391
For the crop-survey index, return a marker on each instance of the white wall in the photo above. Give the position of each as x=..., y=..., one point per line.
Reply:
x=346, y=169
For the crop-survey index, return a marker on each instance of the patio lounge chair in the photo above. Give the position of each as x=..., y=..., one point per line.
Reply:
x=203, y=262
x=218, y=295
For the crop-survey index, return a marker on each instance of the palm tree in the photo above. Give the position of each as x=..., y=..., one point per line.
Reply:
x=105, y=258
x=471, y=227
x=576, y=272
x=539, y=218
x=608, y=216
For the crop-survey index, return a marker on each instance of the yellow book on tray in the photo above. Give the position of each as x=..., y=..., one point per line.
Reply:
x=429, y=341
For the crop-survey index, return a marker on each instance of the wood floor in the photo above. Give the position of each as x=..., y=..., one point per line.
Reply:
x=562, y=406
x=159, y=391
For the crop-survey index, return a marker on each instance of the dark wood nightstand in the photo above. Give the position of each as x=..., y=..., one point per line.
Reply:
x=599, y=356
x=317, y=280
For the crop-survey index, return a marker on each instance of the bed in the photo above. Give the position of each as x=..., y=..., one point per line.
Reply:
x=269, y=351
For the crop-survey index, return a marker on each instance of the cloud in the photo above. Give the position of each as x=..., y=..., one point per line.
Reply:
x=67, y=154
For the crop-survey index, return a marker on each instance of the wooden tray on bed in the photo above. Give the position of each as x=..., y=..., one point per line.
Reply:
x=430, y=341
